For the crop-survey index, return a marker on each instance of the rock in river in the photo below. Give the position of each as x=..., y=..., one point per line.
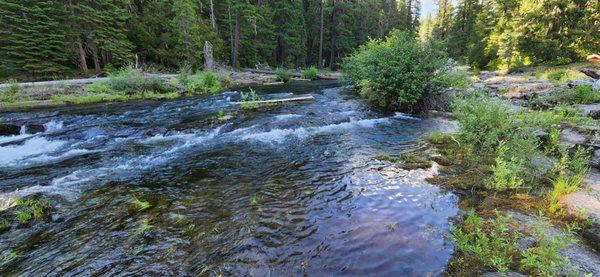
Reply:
x=9, y=130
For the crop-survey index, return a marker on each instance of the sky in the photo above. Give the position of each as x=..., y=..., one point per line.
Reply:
x=427, y=6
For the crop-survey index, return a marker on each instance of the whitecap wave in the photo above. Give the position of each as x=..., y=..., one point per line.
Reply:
x=31, y=147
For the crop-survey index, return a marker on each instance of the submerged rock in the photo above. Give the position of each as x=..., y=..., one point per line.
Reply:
x=35, y=128
x=9, y=130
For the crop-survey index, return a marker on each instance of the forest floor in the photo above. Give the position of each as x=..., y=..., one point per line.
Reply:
x=31, y=95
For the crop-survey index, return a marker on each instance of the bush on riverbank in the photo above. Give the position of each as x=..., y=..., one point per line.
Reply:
x=311, y=73
x=129, y=81
x=283, y=75
x=11, y=93
x=199, y=83
x=397, y=71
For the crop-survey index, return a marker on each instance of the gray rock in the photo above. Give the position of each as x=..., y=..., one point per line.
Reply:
x=35, y=128
x=570, y=138
x=591, y=110
x=580, y=82
x=596, y=84
x=9, y=130
x=595, y=162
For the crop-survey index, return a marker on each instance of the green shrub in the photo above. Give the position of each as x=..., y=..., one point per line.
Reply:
x=452, y=78
x=310, y=73
x=249, y=96
x=545, y=258
x=33, y=208
x=199, y=83
x=492, y=243
x=393, y=72
x=11, y=93
x=283, y=75
x=507, y=172
x=128, y=81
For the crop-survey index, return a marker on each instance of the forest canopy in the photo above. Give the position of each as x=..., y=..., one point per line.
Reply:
x=41, y=39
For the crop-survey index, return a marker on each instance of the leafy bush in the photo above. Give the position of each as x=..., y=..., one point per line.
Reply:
x=128, y=81
x=393, y=72
x=283, y=75
x=202, y=83
x=11, y=93
x=310, y=73
x=507, y=172
x=33, y=208
x=578, y=95
x=452, y=78
x=494, y=243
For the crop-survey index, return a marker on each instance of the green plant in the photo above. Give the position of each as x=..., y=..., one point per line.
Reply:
x=32, y=208
x=200, y=83
x=4, y=225
x=393, y=72
x=141, y=205
x=143, y=227
x=283, y=75
x=577, y=95
x=11, y=93
x=452, y=78
x=561, y=75
x=506, y=173
x=310, y=73
x=490, y=242
x=545, y=259
x=249, y=96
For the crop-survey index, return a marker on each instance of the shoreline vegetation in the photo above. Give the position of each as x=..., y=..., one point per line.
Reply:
x=527, y=141
x=130, y=84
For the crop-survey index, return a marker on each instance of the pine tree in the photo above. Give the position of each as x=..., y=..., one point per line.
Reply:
x=31, y=42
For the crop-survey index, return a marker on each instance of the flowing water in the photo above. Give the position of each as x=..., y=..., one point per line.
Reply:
x=291, y=190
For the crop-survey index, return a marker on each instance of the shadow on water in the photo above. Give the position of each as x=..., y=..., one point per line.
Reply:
x=144, y=188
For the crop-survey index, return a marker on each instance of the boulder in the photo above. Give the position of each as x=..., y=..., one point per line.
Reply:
x=9, y=130
x=595, y=162
x=34, y=128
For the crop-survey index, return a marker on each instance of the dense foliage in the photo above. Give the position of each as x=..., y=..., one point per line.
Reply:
x=48, y=38
x=513, y=33
x=395, y=71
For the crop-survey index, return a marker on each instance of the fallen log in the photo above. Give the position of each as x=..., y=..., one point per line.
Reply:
x=277, y=101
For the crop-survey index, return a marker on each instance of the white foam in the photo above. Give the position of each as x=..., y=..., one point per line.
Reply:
x=45, y=158
x=32, y=147
x=6, y=139
x=283, y=117
x=405, y=116
x=280, y=135
x=53, y=126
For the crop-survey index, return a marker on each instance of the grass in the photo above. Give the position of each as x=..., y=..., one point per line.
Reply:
x=12, y=93
x=4, y=225
x=577, y=95
x=310, y=73
x=560, y=75
x=141, y=205
x=143, y=227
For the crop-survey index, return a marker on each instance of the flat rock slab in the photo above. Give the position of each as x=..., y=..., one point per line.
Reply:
x=583, y=260
x=570, y=138
x=591, y=110
x=586, y=202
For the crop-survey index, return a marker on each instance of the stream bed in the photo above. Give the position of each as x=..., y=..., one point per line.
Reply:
x=294, y=189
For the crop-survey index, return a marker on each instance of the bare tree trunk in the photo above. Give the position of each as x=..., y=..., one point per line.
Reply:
x=97, y=67
x=213, y=20
x=82, y=61
x=333, y=35
x=209, y=62
x=320, y=62
x=236, y=40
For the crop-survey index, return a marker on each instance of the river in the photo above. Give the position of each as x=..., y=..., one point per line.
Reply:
x=290, y=190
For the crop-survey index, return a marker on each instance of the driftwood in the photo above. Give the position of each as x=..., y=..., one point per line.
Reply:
x=278, y=101
x=591, y=73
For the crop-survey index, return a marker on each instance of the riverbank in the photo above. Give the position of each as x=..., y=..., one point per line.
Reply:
x=48, y=94
x=525, y=161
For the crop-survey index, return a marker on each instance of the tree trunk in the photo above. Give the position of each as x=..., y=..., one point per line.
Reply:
x=213, y=20
x=332, y=36
x=82, y=61
x=97, y=67
x=236, y=40
x=209, y=62
x=320, y=62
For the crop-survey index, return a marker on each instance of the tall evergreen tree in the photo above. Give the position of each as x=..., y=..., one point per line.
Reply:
x=31, y=41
